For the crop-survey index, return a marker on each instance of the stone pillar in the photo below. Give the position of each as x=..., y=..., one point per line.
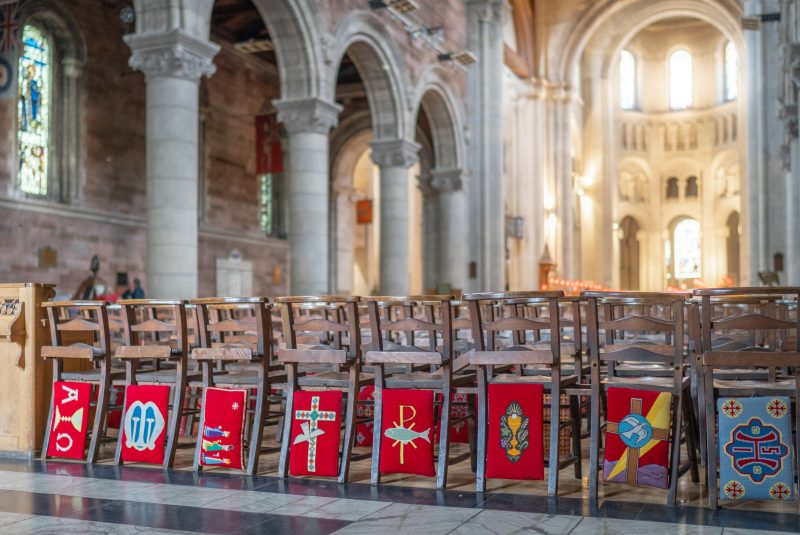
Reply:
x=485, y=109
x=173, y=63
x=70, y=180
x=452, y=232
x=308, y=122
x=394, y=157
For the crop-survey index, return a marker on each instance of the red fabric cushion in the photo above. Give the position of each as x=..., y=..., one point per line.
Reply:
x=407, y=432
x=459, y=431
x=144, y=425
x=70, y=419
x=514, y=448
x=364, y=431
x=637, y=437
x=316, y=425
x=223, y=428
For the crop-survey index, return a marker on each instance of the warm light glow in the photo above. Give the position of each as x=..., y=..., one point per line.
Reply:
x=627, y=80
x=680, y=80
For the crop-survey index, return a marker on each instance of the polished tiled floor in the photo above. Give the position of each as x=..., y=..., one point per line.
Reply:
x=61, y=497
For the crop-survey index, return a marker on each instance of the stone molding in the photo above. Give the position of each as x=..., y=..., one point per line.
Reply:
x=174, y=53
x=395, y=153
x=445, y=180
x=308, y=115
x=788, y=113
x=492, y=11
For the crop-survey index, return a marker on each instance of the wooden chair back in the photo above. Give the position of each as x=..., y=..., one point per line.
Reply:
x=332, y=320
x=85, y=321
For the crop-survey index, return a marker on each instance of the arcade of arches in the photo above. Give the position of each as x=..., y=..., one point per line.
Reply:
x=271, y=147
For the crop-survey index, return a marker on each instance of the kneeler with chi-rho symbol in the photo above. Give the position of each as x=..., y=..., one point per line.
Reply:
x=638, y=437
x=407, y=432
x=316, y=425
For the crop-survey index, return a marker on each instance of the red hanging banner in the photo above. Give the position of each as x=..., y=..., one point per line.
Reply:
x=145, y=423
x=514, y=448
x=315, y=433
x=70, y=419
x=269, y=154
x=407, y=432
x=223, y=428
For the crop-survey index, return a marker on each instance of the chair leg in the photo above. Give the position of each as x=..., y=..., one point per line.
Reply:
x=444, y=436
x=677, y=422
x=594, y=444
x=49, y=424
x=98, y=429
x=350, y=423
x=283, y=461
x=120, y=437
x=258, y=428
x=690, y=433
x=480, y=476
x=711, y=442
x=575, y=418
x=377, y=424
x=555, y=428
x=178, y=397
x=471, y=428
x=196, y=466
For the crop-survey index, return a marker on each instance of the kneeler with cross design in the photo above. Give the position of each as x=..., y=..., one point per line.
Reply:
x=637, y=438
x=316, y=427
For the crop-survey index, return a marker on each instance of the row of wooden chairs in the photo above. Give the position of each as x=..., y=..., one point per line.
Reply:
x=575, y=347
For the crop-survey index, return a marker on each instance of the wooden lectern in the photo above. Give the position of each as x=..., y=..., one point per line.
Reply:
x=24, y=378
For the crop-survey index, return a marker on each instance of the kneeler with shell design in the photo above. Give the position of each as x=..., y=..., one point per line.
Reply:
x=755, y=453
x=316, y=426
x=144, y=423
x=638, y=437
x=515, y=437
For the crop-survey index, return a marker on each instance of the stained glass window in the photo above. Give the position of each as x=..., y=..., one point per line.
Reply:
x=687, y=249
x=680, y=80
x=627, y=80
x=33, y=111
x=731, y=71
x=267, y=202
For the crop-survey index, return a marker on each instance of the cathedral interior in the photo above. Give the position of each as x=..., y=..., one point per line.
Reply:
x=484, y=214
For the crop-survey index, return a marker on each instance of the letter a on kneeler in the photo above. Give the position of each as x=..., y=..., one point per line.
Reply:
x=222, y=443
x=515, y=438
x=755, y=449
x=145, y=423
x=637, y=437
x=70, y=419
x=407, y=432
x=316, y=422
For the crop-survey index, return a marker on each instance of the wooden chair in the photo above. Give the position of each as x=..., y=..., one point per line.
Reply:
x=640, y=313
x=154, y=331
x=235, y=350
x=778, y=350
x=331, y=361
x=428, y=354
x=494, y=365
x=79, y=330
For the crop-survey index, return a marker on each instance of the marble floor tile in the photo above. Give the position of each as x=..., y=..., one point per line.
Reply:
x=506, y=523
x=613, y=526
x=344, y=509
x=410, y=518
x=11, y=518
x=741, y=531
x=48, y=525
x=254, y=502
x=303, y=506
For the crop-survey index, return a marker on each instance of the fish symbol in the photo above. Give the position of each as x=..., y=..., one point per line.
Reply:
x=305, y=436
x=405, y=435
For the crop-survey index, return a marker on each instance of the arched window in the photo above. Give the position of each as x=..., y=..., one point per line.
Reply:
x=691, y=187
x=680, y=80
x=627, y=80
x=731, y=71
x=687, y=249
x=33, y=111
x=672, y=188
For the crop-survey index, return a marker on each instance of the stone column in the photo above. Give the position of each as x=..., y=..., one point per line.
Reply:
x=485, y=109
x=308, y=122
x=173, y=63
x=394, y=157
x=452, y=220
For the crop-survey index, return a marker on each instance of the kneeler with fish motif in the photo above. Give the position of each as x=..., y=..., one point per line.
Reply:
x=637, y=437
x=755, y=452
x=144, y=423
x=407, y=432
x=515, y=437
x=70, y=419
x=222, y=442
x=316, y=425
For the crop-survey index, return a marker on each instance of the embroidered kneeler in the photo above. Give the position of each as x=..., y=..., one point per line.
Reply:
x=407, y=432
x=70, y=419
x=223, y=428
x=316, y=425
x=145, y=422
x=514, y=441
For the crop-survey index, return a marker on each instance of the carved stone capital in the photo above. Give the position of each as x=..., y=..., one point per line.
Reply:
x=174, y=53
x=308, y=115
x=444, y=180
x=395, y=153
x=493, y=11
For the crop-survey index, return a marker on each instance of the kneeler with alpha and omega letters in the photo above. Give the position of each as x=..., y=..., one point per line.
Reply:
x=755, y=452
x=514, y=441
x=224, y=412
x=407, y=432
x=316, y=425
x=638, y=437
x=144, y=423
x=70, y=419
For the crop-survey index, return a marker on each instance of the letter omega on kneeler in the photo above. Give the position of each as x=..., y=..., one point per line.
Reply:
x=222, y=444
x=407, y=432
